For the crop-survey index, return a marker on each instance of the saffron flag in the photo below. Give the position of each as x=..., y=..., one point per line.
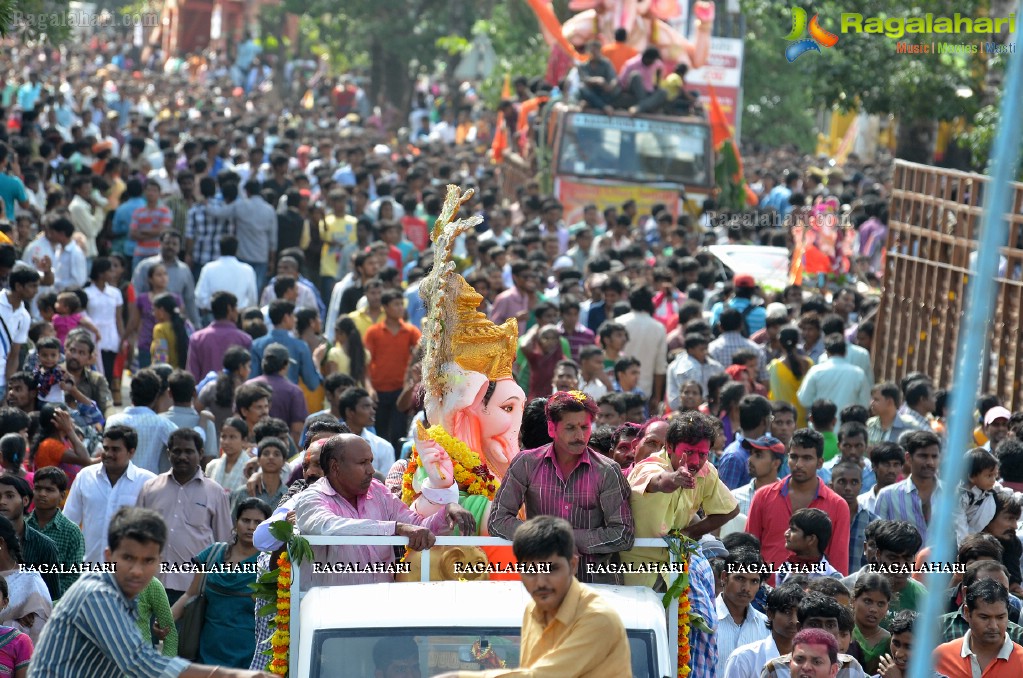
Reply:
x=551, y=28
x=500, y=142
x=506, y=88
x=719, y=130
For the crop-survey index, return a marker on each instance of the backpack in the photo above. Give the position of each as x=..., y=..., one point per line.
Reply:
x=744, y=329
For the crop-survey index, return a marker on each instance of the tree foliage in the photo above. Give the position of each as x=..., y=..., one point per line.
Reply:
x=35, y=20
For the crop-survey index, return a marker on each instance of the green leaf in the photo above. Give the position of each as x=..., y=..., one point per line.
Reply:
x=267, y=609
x=282, y=530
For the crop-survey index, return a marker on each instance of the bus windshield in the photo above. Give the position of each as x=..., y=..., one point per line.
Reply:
x=635, y=149
x=366, y=653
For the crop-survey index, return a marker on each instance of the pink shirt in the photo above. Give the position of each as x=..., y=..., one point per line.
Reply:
x=63, y=324
x=648, y=73
x=321, y=511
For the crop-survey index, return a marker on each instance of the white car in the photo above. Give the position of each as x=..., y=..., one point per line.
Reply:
x=341, y=625
x=769, y=266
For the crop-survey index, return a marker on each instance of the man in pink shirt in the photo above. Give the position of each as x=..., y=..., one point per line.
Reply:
x=640, y=75
x=348, y=501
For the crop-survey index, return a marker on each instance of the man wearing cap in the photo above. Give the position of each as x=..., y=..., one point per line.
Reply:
x=766, y=455
x=755, y=418
x=754, y=315
x=996, y=427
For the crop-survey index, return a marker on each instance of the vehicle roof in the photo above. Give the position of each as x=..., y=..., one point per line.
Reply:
x=623, y=113
x=768, y=265
x=448, y=603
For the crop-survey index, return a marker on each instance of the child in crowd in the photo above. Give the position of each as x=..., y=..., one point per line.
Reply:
x=976, y=494
x=48, y=374
x=38, y=330
x=871, y=597
x=69, y=316
x=170, y=334
x=846, y=626
x=228, y=469
x=806, y=540
x=47, y=305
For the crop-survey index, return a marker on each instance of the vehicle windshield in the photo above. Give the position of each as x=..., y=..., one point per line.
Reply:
x=635, y=149
x=423, y=652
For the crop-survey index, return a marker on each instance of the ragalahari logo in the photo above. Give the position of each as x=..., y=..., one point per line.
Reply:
x=818, y=36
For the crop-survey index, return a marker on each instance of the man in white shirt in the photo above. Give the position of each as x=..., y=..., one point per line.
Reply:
x=227, y=274
x=836, y=380
x=69, y=267
x=738, y=622
x=99, y=490
x=746, y=661
x=86, y=215
x=14, y=317
x=152, y=429
x=648, y=341
x=359, y=412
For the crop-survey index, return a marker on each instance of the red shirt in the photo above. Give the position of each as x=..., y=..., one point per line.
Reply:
x=416, y=232
x=769, y=514
x=390, y=355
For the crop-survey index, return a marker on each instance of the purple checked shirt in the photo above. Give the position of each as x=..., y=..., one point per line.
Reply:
x=594, y=499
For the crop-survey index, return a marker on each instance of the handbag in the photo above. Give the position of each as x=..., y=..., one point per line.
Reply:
x=194, y=615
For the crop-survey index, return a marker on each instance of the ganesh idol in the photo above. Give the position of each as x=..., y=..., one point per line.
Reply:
x=473, y=404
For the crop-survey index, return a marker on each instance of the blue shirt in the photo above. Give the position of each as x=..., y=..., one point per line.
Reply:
x=301, y=358
x=12, y=191
x=756, y=319
x=122, y=223
x=733, y=469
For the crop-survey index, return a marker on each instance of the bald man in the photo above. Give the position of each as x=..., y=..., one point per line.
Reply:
x=349, y=500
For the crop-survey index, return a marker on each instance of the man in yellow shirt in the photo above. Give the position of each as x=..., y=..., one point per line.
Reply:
x=670, y=487
x=568, y=631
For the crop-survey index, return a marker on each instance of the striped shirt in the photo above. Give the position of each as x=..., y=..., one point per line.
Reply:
x=731, y=635
x=157, y=219
x=93, y=634
x=703, y=647
x=594, y=499
x=901, y=501
x=69, y=541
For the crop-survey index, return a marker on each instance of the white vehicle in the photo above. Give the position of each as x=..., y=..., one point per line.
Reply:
x=769, y=266
x=337, y=627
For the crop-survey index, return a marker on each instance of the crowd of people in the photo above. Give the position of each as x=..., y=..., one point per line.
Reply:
x=211, y=321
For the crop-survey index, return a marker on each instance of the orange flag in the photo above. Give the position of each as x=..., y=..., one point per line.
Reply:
x=500, y=140
x=550, y=25
x=719, y=130
x=506, y=90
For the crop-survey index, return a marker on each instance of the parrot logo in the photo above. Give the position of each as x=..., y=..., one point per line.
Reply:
x=818, y=36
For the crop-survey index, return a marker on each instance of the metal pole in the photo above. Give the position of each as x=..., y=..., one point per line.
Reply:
x=979, y=311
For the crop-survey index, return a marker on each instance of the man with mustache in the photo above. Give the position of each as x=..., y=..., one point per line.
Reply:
x=567, y=629
x=986, y=649
x=567, y=479
x=348, y=500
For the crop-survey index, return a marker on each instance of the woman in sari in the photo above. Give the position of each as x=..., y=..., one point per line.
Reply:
x=228, y=636
x=29, y=603
x=787, y=373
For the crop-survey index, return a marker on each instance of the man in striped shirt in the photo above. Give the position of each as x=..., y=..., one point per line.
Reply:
x=569, y=480
x=93, y=634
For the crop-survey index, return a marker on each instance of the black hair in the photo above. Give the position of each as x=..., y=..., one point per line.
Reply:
x=784, y=598
x=54, y=475
x=979, y=546
x=890, y=390
x=1010, y=460
x=1007, y=501
x=823, y=413
x=690, y=428
x=182, y=386
x=903, y=622
x=813, y=523
x=533, y=432
x=735, y=540
x=897, y=536
x=541, y=537
x=189, y=434
x=272, y=441
x=138, y=524
x=870, y=582
x=854, y=413
x=48, y=344
x=13, y=448
x=829, y=586
x=988, y=591
x=817, y=605
x=234, y=359
x=167, y=303
x=974, y=570
x=886, y=452
x=349, y=399
x=252, y=503
x=601, y=439
x=745, y=560
x=980, y=460
x=249, y=394
x=146, y=386
x=271, y=427
x=280, y=308
x=615, y=400
x=353, y=347
x=809, y=439
x=221, y=304
x=918, y=440
x=238, y=424
x=753, y=410
x=852, y=429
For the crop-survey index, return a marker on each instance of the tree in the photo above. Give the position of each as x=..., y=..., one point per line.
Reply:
x=35, y=20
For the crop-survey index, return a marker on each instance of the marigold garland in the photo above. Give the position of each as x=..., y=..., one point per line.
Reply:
x=280, y=642
x=488, y=659
x=471, y=473
x=682, y=548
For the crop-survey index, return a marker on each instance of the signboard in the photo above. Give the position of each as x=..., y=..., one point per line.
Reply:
x=723, y=71
x=574, y=194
